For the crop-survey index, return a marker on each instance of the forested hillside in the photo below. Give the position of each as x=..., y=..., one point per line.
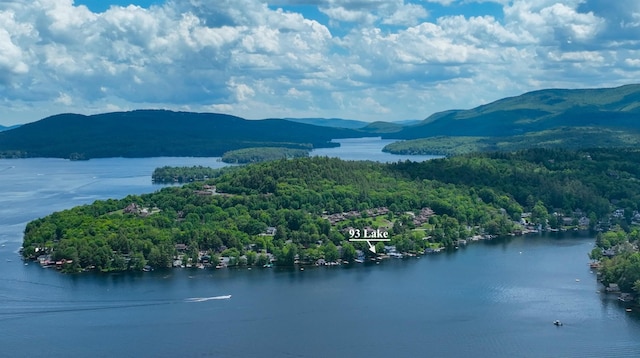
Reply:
x=152, y=133
x=563, y=137
x=614, y=108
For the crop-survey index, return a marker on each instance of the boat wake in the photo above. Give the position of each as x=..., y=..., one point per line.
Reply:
x=21, y=308
x=203, y=299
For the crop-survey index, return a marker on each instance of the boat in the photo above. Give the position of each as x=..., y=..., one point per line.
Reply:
x=625, y=297
x=557, y=323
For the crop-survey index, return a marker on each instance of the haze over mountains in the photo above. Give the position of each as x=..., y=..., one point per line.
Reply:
x=145, y=133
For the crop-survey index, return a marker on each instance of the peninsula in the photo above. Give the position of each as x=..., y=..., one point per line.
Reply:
x=305, y=211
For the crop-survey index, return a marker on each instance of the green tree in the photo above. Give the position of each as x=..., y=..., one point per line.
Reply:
x=539, y=214
x=331, y=253
x=251, y=258
x=262, y=260
x=286, y=256
x=348, y=252
x=138, y=262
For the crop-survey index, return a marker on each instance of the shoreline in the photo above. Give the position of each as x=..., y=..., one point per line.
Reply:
x=391, y=253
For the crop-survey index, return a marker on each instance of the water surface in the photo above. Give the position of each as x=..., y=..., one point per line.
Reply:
x=367, y=149
x=491, y=299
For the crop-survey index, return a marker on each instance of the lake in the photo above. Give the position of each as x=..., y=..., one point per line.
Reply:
x=367, y=149
x=490, y=299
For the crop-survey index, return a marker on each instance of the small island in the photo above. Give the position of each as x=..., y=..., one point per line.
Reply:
x=262, y=154
x=168, y=175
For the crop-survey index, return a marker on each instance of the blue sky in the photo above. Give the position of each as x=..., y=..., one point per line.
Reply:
x=359, y=59
x=103, y=5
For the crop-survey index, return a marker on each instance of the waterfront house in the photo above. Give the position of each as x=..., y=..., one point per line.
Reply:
x=584, y=221
x=625, y=297
x=613, y=287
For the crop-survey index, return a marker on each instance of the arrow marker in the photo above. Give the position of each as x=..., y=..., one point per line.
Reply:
x=371, y=247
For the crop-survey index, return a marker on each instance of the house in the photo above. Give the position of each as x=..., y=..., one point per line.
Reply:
x=132, y=208
x=567, y=221
x=613, y=287
x=181, y=247
x=584, y=221
x=619, y=213
x=625, y=297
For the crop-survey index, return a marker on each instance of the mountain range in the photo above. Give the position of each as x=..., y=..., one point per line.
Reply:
x=331, y=122
x=544, y=116
x=147, y=133
x=535, y=111
x=3, y=128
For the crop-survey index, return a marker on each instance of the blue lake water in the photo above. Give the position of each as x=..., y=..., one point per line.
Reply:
x=367, y=149
x=490, y=299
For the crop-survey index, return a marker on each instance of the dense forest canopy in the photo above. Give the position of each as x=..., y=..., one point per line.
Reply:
x=168, y=175
x=563, y=137
x=616, y=253
x=301, y=209
x=262, y=154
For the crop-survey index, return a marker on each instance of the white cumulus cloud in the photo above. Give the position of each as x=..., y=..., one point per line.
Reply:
x=371, y=60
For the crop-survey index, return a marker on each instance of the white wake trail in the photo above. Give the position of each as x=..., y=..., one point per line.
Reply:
x=202, y=299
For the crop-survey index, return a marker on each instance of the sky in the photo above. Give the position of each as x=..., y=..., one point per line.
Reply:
x=358, y=59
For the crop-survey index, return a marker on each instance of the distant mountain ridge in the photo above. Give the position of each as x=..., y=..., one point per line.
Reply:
x=373, y=127
x=6, y=128
x=150, y=133
x=559, y=117
x=331, y=122
x=617, y=107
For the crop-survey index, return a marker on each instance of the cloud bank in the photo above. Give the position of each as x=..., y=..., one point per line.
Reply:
x=361, y=59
